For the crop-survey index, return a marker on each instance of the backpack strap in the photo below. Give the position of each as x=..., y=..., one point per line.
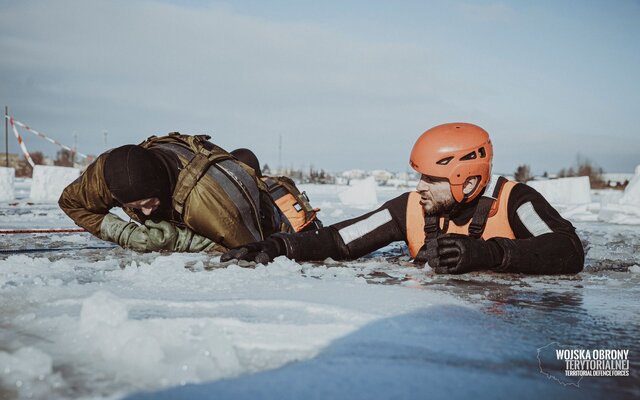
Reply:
x=280, y=221
x=485, y=205
x=191, y=174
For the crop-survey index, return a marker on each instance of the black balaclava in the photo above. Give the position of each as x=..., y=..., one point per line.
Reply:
x=134, y=173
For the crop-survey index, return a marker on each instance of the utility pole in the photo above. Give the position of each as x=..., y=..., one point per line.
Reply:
x=75, y=148
x=280, y=153
x=6, y=136
x=105, y=133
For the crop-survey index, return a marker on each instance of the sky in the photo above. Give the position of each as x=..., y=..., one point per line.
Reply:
x=340, y=84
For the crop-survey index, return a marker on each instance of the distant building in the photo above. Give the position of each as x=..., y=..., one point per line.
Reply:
x=354, y=174
x=381, y=176
x=617, y=180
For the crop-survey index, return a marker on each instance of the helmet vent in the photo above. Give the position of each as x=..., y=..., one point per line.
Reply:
x=444, y=161
x=470, y=156
x=483, y=152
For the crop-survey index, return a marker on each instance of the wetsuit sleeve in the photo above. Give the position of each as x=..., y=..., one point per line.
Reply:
x=87, y=200
x=352, y=238
x=545, y=242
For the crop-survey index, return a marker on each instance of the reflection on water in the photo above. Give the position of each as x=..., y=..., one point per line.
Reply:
x=596, y=309
x=591, y=315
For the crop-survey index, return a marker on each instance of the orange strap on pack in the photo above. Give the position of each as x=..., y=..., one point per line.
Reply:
x=293, y=204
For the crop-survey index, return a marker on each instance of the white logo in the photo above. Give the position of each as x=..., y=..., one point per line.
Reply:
x=568, y=365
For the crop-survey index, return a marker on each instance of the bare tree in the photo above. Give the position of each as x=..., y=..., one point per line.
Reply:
x=523, y=173
x=586, y=167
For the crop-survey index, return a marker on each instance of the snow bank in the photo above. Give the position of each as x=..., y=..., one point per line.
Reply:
x=626, y=210
x=564, y=190
x=632, y=192
x=7, y=192
x=360, y=193
x=49, y=182
x=609, y=205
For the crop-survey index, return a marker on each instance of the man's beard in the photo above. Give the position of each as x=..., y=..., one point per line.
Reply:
x=440, y=208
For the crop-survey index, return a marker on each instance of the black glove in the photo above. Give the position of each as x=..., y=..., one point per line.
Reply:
x=458, y=254
x=260, y=252
x=428, y=253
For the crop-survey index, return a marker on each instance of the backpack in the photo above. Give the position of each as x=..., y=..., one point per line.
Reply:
x=203, y=159
x=294, y=206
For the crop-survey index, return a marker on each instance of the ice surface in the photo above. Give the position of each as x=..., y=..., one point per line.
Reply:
x=49, y=182
x=109, y=323
x=360, y=193
x=564, y=190
x=7, y=178
x=158, y=324
x=22, y=187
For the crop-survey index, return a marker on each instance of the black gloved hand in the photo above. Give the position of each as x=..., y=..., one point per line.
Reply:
x=428, y=253
x=260, y=252
x=458, y=254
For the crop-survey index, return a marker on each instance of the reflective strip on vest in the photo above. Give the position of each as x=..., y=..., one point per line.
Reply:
x=233, y=180
x=497, y=223
x=367, y=225
x=531, y=220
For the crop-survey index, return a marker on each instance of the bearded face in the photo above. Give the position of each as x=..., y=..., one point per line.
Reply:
x=435, y=195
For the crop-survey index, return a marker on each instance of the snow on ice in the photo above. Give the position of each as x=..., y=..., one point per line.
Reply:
x=111, y=323
x=158, y=324
x=49, y=182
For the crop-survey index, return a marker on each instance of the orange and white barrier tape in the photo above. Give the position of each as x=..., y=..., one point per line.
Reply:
x=14, y=122
x=21, y=143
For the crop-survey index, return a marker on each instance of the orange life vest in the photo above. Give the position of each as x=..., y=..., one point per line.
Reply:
x=497, y=223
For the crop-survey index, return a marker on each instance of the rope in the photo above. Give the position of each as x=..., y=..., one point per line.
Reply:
x=24, y=231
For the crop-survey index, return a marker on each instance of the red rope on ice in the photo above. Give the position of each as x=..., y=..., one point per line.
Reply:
x=22, y=231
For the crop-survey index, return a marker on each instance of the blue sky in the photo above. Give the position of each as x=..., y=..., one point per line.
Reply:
x=347, y=84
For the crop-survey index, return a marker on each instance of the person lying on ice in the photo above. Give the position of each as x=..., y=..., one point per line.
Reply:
x=458, y=220
x=187, y=194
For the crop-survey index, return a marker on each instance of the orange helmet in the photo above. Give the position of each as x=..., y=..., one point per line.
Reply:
x=455, y=152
